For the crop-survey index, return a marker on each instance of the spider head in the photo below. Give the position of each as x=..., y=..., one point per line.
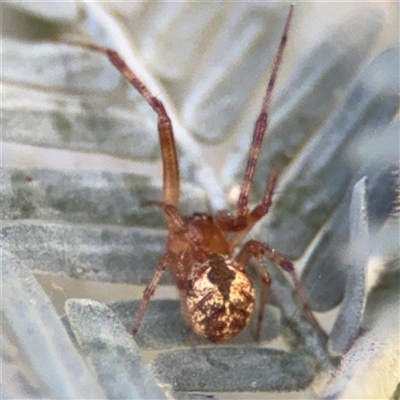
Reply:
x=220, y=298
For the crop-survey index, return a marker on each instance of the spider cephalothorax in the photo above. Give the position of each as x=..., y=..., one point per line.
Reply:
x=217, y=297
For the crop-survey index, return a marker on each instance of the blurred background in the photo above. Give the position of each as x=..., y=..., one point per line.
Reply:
x=69, y=118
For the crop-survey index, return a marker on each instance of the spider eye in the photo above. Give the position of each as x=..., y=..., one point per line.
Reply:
x=220, y=299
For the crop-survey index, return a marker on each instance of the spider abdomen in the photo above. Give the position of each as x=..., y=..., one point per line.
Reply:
x=220, y=298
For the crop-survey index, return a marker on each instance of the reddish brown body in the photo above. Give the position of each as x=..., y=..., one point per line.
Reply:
x=217, y=297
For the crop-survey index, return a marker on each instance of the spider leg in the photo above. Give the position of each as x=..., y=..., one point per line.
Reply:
x=261, y=125
x=259, y=211
x=243, y=258
x=259, y=249
x=148, y=293
x=165, y=131
x=178, y=227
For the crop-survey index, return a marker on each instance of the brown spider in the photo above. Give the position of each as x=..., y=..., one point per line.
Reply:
x=216, y=295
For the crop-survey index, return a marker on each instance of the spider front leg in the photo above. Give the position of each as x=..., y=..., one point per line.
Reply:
x=240, y=222
x=257, y=249
x=227, y=223
x=169, y=156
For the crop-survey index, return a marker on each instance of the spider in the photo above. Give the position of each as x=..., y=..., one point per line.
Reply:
x=216, y=294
